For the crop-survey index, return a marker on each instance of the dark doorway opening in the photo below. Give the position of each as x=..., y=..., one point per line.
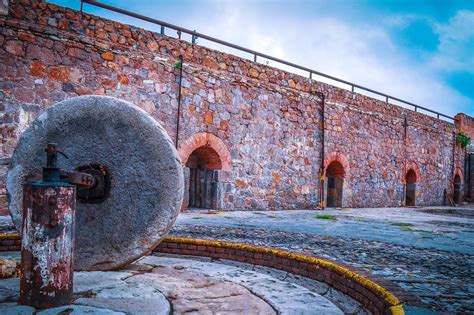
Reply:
x=335, y=183
x=457, y=189
x=203, y=164
x=410, y=192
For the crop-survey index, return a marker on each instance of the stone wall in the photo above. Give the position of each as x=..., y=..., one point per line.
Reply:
x=267, y=121
x=465, y=124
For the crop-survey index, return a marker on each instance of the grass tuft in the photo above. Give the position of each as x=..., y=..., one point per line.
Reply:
x=325, y=217
x=401, y=224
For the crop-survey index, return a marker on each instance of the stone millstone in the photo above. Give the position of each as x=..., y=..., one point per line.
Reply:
x=146, y=177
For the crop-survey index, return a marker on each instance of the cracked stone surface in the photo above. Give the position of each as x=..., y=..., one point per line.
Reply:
x=284, y=296
x=164, y=284
x=427, y=251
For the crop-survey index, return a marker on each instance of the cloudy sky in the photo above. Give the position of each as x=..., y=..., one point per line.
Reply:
x=421, y=51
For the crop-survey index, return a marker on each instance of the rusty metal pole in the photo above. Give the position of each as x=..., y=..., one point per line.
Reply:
x=48, y=239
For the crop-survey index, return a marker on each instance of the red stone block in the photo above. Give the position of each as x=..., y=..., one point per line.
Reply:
x=38, y=69
x=26, y=37
x=60, y=73
x=109, y=84
x=107, y=56
x=122, y=79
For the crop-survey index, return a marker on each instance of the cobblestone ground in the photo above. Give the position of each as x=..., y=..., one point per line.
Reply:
x=429, y=252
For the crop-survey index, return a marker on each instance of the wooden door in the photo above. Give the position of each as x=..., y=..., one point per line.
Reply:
x=202, y=188
x=410, y=194
x=334, y=192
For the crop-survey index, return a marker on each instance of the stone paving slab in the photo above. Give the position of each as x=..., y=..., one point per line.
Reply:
x=286, y=297
x=163, y=284
x=427, y=251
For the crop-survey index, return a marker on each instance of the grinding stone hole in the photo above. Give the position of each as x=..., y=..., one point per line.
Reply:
x=100, y=191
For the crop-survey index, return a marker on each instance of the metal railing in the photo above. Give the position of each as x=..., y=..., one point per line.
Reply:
x=256, y=54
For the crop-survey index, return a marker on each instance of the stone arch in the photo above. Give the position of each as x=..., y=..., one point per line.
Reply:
x=414, y=167
x=458, y=171
x=206, y=141
x=340, y=158
x=336, y=173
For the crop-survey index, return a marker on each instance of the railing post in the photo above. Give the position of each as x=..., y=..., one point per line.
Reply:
x=416, y=108
x=386, y=99
x=162, y=31
x=254, y=57
x=352, y=88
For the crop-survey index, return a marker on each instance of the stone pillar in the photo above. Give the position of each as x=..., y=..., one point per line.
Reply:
x=186, y=173
x=223, y=178
x=3, y=190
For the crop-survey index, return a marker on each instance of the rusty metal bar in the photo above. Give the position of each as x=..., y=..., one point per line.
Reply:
x=323, y=151
x=77, y=178
x=179, y=98
x=252, y=52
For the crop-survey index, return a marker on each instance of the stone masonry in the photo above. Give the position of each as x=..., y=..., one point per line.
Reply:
x=264, y=124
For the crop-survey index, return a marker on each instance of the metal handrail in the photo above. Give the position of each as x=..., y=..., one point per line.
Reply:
x=255, y=54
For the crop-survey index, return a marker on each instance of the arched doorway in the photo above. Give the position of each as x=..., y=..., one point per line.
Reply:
x=335, y=182
x=206, y=165
x=410, y=191
x=203, y=164
x=457, y=189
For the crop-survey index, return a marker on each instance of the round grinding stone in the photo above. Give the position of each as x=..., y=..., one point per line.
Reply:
x=143, y=169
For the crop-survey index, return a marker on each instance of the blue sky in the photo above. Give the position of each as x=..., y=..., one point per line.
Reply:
x=419, y=51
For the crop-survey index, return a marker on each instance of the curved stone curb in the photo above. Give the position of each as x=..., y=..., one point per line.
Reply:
x=371, y=295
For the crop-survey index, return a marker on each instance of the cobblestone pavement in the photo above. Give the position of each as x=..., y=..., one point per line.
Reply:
x=429, y=252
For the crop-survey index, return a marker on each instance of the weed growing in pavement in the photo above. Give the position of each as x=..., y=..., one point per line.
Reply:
x=401, y=224
x=325, y=217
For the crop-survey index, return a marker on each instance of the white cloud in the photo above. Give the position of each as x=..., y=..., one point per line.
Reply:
x=367, y=56
x=454, y=37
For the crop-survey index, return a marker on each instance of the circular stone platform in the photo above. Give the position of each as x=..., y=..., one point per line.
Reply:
x=165, y=284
